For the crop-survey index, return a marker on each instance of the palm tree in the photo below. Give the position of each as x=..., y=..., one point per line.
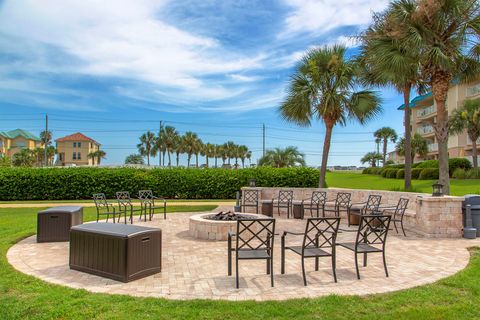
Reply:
x=419, y=146
x=46, y=141
x=179, y=148
x=372, y=158
x=384, y=135
x=5, y=161
x=168, y=137
x=190, y=141
x=134, y=159
x=389, y=62
x=217, y=153
x=24, y=158
x=281, y=158
x=467, y=118
x=147, y=145
x=97, y=155
x=323, y=88
x=248, y=155
x=223, y=152
x=447, y=35
x=208, y=151
x=243, y=153
x=230, y=150
x=198, y=149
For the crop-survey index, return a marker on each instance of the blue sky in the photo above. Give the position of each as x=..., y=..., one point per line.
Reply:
x=113, y=69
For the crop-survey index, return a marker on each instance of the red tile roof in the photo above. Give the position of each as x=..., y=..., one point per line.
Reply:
x=77, y=137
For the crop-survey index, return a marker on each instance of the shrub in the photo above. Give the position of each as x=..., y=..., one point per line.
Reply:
x=426, y=164
x=377, y=170
x=455, y=163
x=400, y=174
x=428, y=174
x=473, y=173
x=389, y=173
x=81, y=183
x=396, y=166
x=459, y=173
x=416, y=172
x=367, y=171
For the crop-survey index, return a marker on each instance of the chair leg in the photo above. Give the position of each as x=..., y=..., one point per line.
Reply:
x=403, y=229
x=395, y=225
x=385, y=263
x=356, y=266
x=282, y=256
x=271, y=271
x=303, y=272
x=236, y=272
x=268, y=266
x=364, y=259
x=229, y=256
x=334, y=268
x=316, y=263
x=97, y=217
x=164, y=211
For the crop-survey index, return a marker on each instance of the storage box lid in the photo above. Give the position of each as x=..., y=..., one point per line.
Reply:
x=61, y=209
x=114, y=229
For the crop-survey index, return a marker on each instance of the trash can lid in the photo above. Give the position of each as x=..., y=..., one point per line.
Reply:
x=473, y=199
x=61, y=209
x=115, y=229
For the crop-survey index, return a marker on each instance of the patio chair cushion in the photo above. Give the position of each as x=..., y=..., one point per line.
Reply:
x=310, y=252
x=362, y=247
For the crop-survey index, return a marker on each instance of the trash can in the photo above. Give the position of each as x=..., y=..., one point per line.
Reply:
x=54, y=224
x=298, y=210
x=474, y=201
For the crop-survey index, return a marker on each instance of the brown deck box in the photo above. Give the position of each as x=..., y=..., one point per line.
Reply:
x=54, y=224
x=116, y=251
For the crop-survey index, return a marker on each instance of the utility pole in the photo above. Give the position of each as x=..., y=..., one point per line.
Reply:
x=159, y=145
x=45, y=139
x=263, y=153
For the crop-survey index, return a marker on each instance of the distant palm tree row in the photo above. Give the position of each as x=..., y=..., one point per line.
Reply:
x=171, y=144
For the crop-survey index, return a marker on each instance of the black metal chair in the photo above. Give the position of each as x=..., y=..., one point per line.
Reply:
x=125, y=205
x=370, y=206
x=342, y=204
x=103, y=206
x=371, y=238
x=284, y=200
x=250, y=198
x=318, y=241
x=316, y=202
x=397, y=212
x=147, y=202
x=254, y=241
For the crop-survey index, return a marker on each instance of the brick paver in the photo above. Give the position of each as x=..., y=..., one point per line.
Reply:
x=195, y=268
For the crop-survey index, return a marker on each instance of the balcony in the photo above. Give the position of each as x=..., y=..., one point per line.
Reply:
x=432, y=147
x=426, y=113
x=425, y=130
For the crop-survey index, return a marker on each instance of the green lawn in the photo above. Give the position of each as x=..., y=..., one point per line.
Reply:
x=25, y=297
x=368, y=181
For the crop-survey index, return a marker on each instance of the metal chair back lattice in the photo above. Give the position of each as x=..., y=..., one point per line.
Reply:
x=250, y=198
x=373, y=202
x=103, y=207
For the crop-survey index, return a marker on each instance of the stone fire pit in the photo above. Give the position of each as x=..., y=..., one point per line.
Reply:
x=204, y=226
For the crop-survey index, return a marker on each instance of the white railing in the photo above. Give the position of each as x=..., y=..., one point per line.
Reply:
x=473, y=90
x=469, y=141
x=426, y=111
x=432, y=147
x=425, y=129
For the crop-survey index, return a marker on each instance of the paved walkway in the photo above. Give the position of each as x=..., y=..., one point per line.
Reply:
x=91, y=204
x=198, y=269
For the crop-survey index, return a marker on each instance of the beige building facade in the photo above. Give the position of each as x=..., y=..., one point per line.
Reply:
x=424, y=116
x=14, y=141
x=73, y=150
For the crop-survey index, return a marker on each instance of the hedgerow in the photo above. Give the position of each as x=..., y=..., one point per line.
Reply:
x=81, y=183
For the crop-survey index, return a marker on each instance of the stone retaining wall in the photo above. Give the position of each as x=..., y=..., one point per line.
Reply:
x=426, y=215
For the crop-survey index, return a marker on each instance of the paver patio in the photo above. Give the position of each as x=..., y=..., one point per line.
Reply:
x=197, y=269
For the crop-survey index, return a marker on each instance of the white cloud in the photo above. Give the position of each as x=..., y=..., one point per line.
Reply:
x=120, y=38
x=323, y=15
x=243, y=78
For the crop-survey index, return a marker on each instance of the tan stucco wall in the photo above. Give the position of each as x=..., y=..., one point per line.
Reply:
x=66, y=147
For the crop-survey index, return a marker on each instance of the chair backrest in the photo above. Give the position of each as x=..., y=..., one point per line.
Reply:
x=402, y=206
x=255, y=234
x=145, y=196
x=123, y=198
x=373, y=229
x=285, y=196
x=319, y=197
x=373, y=203
x=100, y=201
x=343, y=199
x=250, y=196
x=320, y=233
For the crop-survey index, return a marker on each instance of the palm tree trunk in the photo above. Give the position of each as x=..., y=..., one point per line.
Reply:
x=474, y=152
x=385, y=141
x=178, y=159
x=216, y=162
x=326, y=150
x=169, y=159
x=196, y=160
x=440, y=86
x=243, y=163
x=163, y=158
x=188, y=160
x=206, y=159
x=148, y=159
x=408, y=138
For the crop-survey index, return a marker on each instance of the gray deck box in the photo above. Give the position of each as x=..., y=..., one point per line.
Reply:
x=54, y=224
x=116, y=251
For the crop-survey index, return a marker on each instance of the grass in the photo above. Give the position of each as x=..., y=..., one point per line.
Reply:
x=90, y=200
x=25, y=297
x=375, y=182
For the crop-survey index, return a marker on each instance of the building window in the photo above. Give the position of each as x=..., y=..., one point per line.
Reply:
x=74, y=157
x=79, y=144
x=79, y=157
x=60, y=156
x=473, y=90
x=74, y=144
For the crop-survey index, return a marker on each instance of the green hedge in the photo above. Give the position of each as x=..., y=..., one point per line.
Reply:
x=81, y=183
x=416, y=172
x=428, y=174
x=400, y=174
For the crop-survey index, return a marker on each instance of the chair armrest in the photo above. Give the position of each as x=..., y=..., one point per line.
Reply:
x=358, y=203
x=292, y=233
x=340, y=230
x=231, y=234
